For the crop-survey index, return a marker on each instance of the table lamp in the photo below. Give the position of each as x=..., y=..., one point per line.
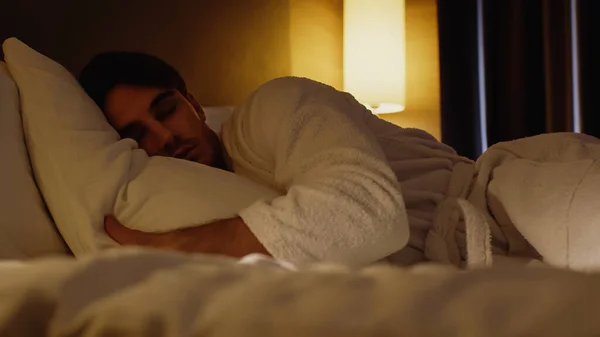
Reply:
x=375, y=53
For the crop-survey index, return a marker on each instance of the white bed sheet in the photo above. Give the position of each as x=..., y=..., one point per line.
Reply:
x=148, y=293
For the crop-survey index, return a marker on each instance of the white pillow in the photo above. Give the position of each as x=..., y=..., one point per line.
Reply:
x=85, y=172
x=216, y=116
x=26, y=229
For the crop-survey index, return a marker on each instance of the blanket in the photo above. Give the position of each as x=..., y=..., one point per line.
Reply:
x=139, y=293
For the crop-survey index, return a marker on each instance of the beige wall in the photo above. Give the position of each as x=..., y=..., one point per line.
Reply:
x=223, y=48
x=316, y=37
x=226, y=48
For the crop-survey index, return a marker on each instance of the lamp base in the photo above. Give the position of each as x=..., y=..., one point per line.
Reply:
x=385, y=108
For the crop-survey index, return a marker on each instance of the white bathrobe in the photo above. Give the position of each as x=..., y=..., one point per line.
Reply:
x=342, y=201
x=355, y=184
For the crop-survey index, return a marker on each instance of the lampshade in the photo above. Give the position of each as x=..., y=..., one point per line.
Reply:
x=375, y=53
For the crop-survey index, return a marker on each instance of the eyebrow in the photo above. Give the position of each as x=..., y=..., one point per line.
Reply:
x=161, y=97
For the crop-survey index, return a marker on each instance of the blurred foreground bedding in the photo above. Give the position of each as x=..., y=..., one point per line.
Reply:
x=134, y=292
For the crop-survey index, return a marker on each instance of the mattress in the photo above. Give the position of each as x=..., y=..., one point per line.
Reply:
x=132, y=292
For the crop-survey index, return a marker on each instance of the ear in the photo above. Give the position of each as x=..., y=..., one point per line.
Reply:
x=196, y=105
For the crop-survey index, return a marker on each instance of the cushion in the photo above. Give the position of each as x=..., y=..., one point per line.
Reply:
x=26, y=229
x=85, y=171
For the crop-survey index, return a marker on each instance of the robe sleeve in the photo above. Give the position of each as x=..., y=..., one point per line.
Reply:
x=341, y=201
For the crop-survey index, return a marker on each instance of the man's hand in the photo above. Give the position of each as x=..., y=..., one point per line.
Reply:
x=229, y=237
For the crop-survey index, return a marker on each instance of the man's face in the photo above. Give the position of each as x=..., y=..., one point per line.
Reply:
x=164, y=123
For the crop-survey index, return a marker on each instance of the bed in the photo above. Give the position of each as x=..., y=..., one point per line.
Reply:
x=45, y=291
x=131, y=292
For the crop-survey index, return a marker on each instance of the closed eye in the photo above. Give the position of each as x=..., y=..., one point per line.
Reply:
x=164, y=114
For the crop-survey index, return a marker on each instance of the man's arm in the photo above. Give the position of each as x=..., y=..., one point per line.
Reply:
x=343, y=202
x=229, y=237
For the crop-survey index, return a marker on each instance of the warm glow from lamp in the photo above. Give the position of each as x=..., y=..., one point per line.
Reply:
x=375, y=53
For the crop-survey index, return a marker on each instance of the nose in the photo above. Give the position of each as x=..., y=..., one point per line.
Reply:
x=164, y=140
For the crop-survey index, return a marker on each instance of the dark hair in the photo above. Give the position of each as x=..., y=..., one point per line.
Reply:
x=107, y=70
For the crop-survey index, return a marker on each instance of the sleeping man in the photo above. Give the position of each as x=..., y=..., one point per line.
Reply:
x=350, y=182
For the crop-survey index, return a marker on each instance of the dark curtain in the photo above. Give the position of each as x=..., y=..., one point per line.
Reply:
x=457, y=22
x=528, y=73
x=588, y=29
